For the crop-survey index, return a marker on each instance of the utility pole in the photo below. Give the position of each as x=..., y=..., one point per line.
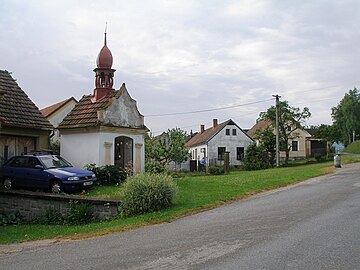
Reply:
x=277, y=130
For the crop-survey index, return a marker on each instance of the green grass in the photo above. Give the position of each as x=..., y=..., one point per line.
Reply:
x=353, y=148
x=195, y=194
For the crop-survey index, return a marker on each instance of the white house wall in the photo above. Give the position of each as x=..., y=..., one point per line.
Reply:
x=230, y=142
x=197, y=152
x=56, y=118
x=108, y=138
x=80, y=149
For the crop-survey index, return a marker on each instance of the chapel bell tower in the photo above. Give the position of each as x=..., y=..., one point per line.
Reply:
x=104, y=74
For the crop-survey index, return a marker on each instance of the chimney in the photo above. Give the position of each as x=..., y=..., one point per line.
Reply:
x=215, y=123
x=202, y=128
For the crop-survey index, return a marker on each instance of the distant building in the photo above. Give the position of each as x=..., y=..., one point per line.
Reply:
x=56, y=113
x=210, y=145
x=304, y=145
x=22, y=127
x=105, y=128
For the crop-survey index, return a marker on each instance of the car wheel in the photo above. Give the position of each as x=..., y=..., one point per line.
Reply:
x=56, y=186
x=7, y=183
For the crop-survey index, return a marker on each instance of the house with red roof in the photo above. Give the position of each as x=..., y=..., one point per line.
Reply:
x=56, y=113
x=105, y=127
x=302, y=144
x=22, y=127
x=211, y=144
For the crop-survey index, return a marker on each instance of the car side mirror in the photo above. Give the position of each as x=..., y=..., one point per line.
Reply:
x=40, y=167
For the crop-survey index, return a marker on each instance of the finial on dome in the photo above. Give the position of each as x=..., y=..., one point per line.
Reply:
x=105, y=33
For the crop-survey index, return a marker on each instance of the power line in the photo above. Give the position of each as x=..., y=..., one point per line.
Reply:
x=208, y=110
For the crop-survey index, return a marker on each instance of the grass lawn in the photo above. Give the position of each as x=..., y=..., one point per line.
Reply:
x=195, y=194
x=353, y=148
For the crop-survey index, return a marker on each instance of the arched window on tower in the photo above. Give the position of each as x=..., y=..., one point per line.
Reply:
x=111, y=80
x=102, y=79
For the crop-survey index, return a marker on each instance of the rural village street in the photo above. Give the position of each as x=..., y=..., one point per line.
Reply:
x=311, y=225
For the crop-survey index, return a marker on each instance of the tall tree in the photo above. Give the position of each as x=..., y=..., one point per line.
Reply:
x=291, y=119
x=346, y=116
x=169, y=146
x=267, y=139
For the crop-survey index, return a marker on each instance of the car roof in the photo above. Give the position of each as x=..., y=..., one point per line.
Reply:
x=34, y=155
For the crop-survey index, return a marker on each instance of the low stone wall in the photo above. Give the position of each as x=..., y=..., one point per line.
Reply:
x=33, y=204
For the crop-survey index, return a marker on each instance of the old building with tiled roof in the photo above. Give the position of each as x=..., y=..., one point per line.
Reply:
x=106, y=127
x=56, y=113
x=301, y=144
x=22, y=127
x=209, y=145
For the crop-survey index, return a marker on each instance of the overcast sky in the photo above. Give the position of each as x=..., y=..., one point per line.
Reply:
x=185, y=56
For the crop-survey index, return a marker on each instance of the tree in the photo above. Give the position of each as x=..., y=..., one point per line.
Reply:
x=346, y=116
x=167, y=147
x=291, y=119
x=267, y=139
x=256, y=158
x=328, y=134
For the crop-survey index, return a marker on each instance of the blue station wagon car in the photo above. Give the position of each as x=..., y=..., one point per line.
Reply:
x=44, y=171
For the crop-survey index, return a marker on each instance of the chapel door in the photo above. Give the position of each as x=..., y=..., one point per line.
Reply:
x=124, y=152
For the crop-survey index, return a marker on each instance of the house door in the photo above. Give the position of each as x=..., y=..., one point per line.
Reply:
x=124, y=152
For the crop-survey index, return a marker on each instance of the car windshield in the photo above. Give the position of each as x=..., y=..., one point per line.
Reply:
x=51, y=162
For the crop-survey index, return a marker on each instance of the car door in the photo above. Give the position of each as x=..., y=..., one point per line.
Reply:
x=36, y=177
x=16, y=170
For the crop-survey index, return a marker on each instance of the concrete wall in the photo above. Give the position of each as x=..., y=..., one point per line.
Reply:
x=107, y=139
x=81, y=148
x=33, y=204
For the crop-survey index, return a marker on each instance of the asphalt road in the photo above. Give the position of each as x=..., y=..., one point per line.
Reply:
x=312, y=225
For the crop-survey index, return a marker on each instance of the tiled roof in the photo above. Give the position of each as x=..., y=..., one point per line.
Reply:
x=53, y=108
x=16, y=108
x=261, y=124
x=202, y=138
x=85, y=111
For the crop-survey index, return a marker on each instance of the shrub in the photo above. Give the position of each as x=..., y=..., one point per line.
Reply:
x=256, y=158
x=216, y=170
x=79, y=213
x=154, y=167
x=108, y=174
x=51, y=217
x=147, y=193
x=10, y=218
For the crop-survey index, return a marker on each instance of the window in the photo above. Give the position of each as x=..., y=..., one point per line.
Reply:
x=289, y=128
x=32, y=162
x=294, y=146
x=19, y=162
x=227, y=131
x=234, y=132
x=221, y=151
x=240, y=153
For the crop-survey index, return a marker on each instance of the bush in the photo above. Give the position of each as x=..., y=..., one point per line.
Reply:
x=79, y=213
x=216, y=170
x=11, y=218
x=108, y=174
x=256, y=158
x=154, y=167
x=147, y=193
x=51, y=217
